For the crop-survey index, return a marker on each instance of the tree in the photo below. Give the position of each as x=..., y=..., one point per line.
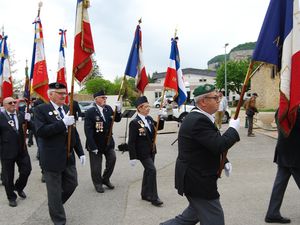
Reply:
x=236, y=72
x=95, y=72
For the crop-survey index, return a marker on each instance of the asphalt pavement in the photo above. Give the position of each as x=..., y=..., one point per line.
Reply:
x=244, y=195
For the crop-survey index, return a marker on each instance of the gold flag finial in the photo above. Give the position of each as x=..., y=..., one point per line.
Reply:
x=140, y=20
x=86, y=3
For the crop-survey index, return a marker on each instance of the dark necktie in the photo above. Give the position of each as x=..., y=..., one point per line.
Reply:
x=12, y=116
x=60, y=112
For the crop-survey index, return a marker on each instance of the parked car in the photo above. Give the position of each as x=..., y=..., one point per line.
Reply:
x=183, y=110
x=85, y=105
x=156, y=104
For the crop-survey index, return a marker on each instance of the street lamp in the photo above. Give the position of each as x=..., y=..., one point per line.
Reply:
x=225, y=81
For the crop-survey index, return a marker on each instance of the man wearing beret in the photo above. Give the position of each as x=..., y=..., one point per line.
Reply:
x=142, y=147
x=51, y=123
x=200, y=146
x=99, y=140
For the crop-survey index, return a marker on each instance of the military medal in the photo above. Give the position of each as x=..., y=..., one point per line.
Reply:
x=11, y=123
x=142, y=131
x=99, y=126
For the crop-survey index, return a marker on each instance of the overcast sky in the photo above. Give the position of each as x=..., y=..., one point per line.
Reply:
x=204, y=26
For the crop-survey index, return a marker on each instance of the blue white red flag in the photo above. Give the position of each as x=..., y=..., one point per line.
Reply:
x=61, y=71
x=83, y=42
x=279, y=44
x=174, y=77
x=135, y=65
x=38, y=73
x=5, y=73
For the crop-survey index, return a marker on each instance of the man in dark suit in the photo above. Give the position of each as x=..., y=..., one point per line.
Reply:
x=200, y=146
x=142, y=147
x=13, y=150
x=287, y=157
x=99, y=140
x=51, y=122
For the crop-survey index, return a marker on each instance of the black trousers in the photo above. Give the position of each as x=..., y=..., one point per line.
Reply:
x=281, y=181
x=60, y=187
x=96, y=166
x=207, y=212
x=149, y=185
x=8, y=174
x=250, y=125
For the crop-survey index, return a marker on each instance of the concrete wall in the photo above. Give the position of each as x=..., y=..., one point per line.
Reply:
x=266, y=87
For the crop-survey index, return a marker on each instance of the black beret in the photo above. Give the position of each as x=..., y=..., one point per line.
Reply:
x=99, y=93
x=140, y=100
x=56, y=85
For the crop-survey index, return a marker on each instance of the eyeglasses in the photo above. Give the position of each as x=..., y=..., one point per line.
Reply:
x=61, y=93
x=103, y=97
x=216, y=98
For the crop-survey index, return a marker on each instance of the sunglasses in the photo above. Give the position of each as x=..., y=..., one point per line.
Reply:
x=12, y=102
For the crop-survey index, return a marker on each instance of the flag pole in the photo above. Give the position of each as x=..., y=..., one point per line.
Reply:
x=161, y=105
x=1, y=81
x=25, y=126
x=244, y=87
x=108, y=137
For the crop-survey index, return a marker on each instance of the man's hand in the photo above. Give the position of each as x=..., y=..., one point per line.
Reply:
x=95, y=151
x=118, y=105
x=82, y=159
x=68, y=120
x=133, y=162
x=228, y=169
x=235, y=124
x=27, y=116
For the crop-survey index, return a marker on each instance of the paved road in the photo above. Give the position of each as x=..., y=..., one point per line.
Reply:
x=244, y=195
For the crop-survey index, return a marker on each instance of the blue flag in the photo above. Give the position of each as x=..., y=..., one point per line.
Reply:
x=276, y=26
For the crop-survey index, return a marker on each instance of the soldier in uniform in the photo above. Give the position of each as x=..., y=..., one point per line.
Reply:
x=200, y=146
x=51, y=123
x=13, y=150
x=99, y=140
x=142, y=147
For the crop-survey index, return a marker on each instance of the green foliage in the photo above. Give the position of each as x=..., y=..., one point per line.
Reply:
x=95, y=71
x=98, y=83
x=218, y=58
x=236, y=72
x=245, y=46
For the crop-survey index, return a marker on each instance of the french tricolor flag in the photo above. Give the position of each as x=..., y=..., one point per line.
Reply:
x=61, y=71
x=39, y=74
x=83, y=43
x=5, y=73
x=135, y=65
x=279, y=44
x=174, y=78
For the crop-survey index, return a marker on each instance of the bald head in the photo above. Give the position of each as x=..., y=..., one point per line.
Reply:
x=9, y=104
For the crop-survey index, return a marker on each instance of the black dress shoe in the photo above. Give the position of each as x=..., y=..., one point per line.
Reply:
x=108, y=184
x=157, y=202
x=99, y=188
x=22, y=194
x=148, y=199
x=277, y=220
x=12, y=203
